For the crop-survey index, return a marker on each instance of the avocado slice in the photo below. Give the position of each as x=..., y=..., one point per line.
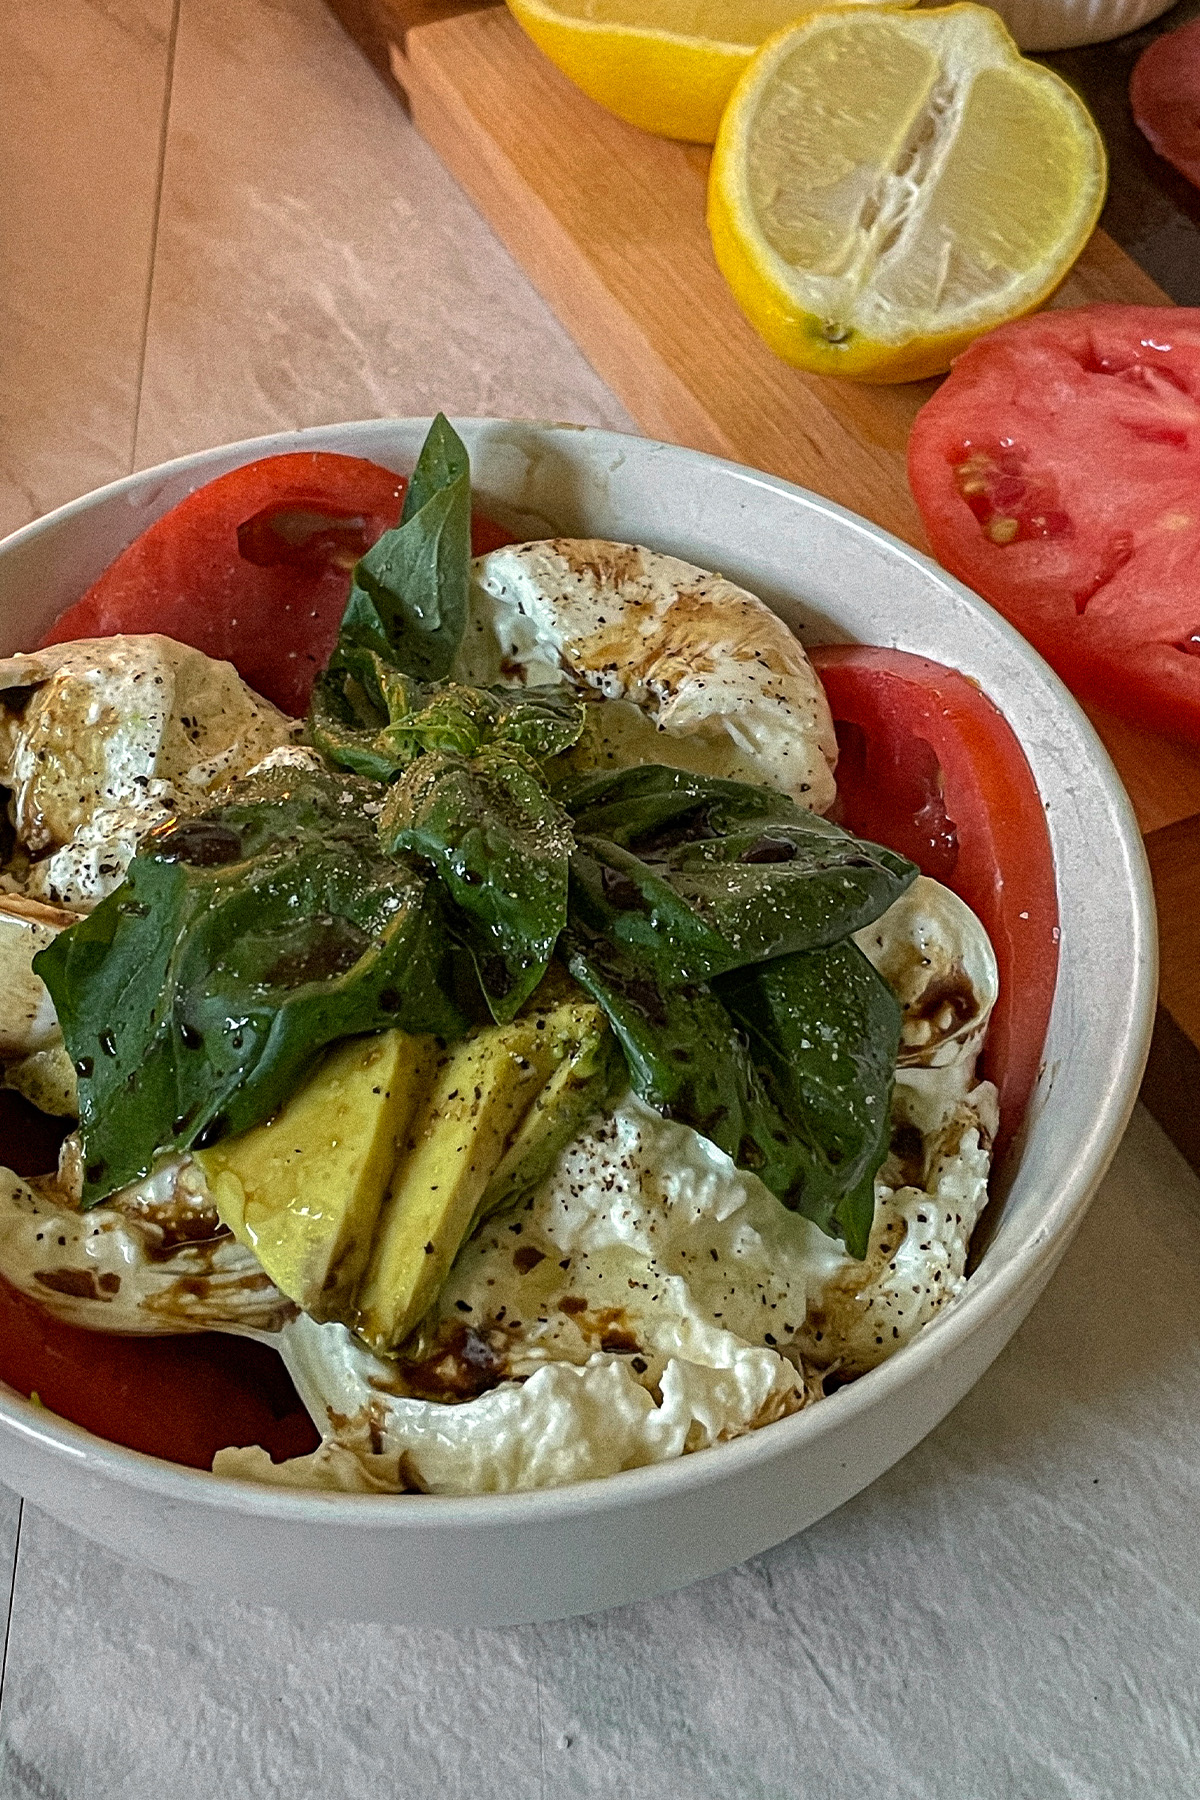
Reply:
x=304, y=1190
x=591, y=1073
x=462, y=1152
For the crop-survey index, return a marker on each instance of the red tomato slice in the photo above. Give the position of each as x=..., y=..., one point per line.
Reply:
x=182, y=1398
x=1164, y=92
x=1057, y=470
x=929, y=767
x=254, y=568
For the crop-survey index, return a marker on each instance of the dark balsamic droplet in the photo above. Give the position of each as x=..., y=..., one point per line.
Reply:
x=108, y=1043
x=190, y=1037
x=204, y=843
x=212, y=1133
x=84, y=1067
x=95, y=1172
x=621, y=891
x=389, y=1000
x=769, y=850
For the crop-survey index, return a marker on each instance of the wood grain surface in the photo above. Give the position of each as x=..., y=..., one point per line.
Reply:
x=609, y=224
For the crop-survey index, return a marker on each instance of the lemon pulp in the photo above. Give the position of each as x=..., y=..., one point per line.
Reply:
x=886, y=185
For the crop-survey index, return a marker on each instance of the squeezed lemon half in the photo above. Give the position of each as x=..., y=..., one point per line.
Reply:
x=666, y=65
x=888, y=184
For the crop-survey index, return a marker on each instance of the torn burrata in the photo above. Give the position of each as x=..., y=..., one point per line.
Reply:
x=647, y=1300
x=697, y=673
x=104, y=738
x=651, y=1298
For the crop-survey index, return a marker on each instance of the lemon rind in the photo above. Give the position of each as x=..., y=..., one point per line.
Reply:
x=772, y=293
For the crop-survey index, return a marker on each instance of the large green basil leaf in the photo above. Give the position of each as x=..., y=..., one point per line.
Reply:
x=408, y=595
x=196, y=999
x=616, y=895
x=698, y=876
x=684, y=1053
x=786, y=1067
x=636, y=807
x=501, y=848
x=823, y=1029
x=772, y=890
x=706, y=907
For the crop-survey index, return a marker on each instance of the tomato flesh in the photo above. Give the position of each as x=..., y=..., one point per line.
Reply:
x=254, y=568
x=1057, y=471
x=182, y=1398
x=929, y=767
x=1164, y=93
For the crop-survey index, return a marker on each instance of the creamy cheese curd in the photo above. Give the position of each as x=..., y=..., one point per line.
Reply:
x=702, y=675
x=147, y=1262
x=112, y=736
x=651, y=1298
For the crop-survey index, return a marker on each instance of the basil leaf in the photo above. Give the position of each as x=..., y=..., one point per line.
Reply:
x=351, y=704
x=684, y=1053
x=368, y=717
x=787, y=1068
x=774, y=890
x=408, y=595
x=460, y=720
x=196, y=999
x=823, y=1030
x=633, y=807
x=702, y=876
x=709, y=906
x=501, y=849
x=616, y=895
x=541, y=721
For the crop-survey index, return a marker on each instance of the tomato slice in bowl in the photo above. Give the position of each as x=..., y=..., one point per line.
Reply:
x=1057, y=471
x=254, y=567
x=928, y=766
x=1164, y=94
x=182, y=1398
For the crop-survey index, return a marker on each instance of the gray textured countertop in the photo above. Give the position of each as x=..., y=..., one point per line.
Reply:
x=214, y=222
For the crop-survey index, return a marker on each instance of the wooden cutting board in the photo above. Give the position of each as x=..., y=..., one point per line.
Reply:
x=608, y=223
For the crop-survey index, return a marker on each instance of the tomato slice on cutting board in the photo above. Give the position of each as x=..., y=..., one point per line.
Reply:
x=1164, y=93
x=1057, y=471
x=928, y=766
x=254, y=568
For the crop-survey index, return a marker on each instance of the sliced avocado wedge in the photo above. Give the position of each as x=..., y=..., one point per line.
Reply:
x=304, y=1190
x=591, y=1073
x=463, y=1152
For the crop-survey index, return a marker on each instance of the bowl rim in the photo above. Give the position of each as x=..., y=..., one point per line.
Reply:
x=981, y=1303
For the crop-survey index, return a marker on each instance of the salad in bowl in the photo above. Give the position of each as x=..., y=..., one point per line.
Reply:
x=511, y=984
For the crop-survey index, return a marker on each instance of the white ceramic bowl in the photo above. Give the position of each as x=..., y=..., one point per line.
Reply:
x=500, y=1559
x=1066, y=24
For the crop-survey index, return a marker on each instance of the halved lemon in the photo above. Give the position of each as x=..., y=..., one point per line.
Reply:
x=666, y=65
x=888, y=184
